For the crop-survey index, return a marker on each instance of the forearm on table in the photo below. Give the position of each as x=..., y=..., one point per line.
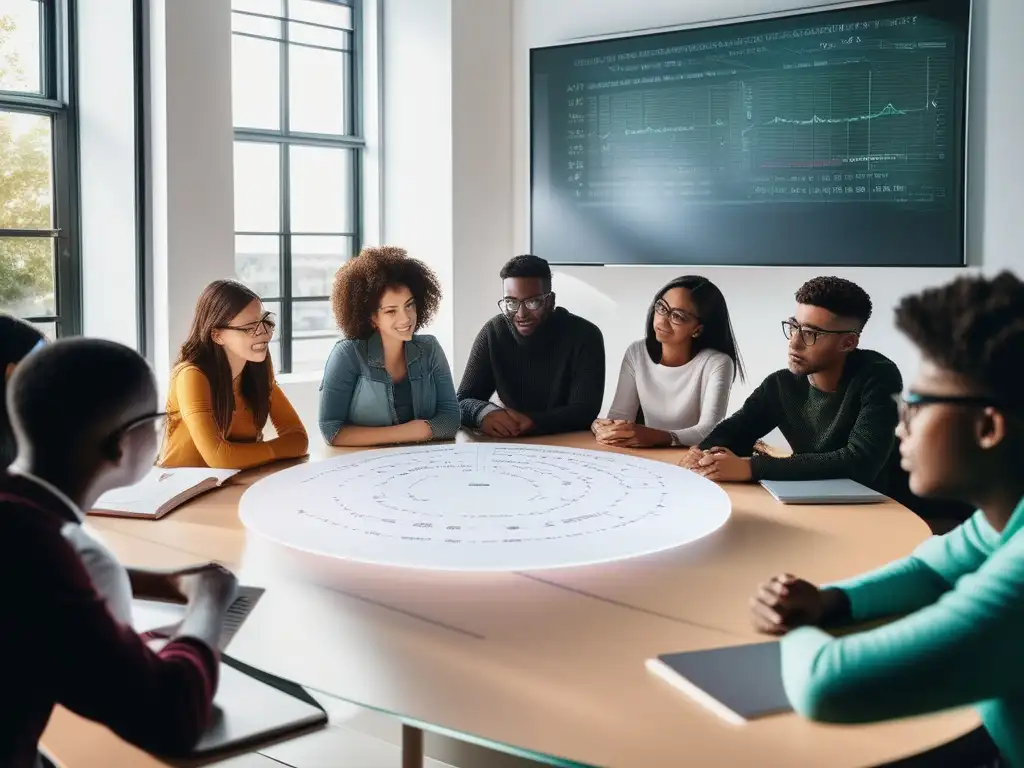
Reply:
x=354, y=436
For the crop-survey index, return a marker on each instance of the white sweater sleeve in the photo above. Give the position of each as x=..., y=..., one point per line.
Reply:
x=626, y=403
x=714, y=401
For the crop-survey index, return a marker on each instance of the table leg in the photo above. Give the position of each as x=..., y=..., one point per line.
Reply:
x=412, y=747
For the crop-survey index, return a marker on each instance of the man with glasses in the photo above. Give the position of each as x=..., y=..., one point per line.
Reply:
x=833, y=403
x=546, y=364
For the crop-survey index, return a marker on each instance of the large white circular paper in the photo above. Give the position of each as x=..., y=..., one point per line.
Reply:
x=484, y=507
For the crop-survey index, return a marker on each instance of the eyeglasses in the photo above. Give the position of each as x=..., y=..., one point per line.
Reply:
x=156, y=422
x=511, y=306
x=675, y=316
x=809, y=335
x=268, y=323
x=909, y=404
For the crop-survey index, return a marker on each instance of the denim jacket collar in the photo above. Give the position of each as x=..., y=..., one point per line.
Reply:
x=375, y=350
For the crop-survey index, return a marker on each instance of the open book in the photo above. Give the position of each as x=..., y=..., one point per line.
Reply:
x=160, y=491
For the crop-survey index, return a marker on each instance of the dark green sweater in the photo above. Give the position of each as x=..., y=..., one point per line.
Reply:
x=846, y=433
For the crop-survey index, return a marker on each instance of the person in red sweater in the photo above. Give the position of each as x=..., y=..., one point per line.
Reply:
x=84, y=413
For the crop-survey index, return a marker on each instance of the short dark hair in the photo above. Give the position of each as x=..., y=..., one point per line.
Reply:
x=528, y=265
x=839, y=296
x=972, y=326
x=360, y=283
x=66, y=391
x=17, y=339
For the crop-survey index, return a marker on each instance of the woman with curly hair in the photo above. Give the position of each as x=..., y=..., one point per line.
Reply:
x=957, y=600
x=384, y=383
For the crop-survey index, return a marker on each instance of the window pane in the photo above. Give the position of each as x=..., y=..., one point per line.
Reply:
x=314, y=262
x=49, y=330
x=328, y=14
x=267, y=7
x=27, y=276
x=311, y=354
x=255, y=25
x=319, y=94
x=322, y=186
x=257, y=187
x=313, y=334
x=329, y=38
x=256, y=82
x=25, y=170
x=257, y=263
x=20, y=46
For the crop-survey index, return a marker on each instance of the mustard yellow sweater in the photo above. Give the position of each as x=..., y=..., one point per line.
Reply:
x=192, y=438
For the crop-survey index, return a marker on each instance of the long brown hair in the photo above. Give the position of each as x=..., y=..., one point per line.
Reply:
x=218, y=304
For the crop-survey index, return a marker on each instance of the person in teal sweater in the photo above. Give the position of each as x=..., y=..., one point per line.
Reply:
x=956, y=601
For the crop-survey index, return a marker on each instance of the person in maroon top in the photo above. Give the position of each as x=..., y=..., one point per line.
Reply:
x=84, y=413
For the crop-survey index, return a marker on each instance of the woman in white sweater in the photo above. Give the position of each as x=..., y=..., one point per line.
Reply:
x=678, y=379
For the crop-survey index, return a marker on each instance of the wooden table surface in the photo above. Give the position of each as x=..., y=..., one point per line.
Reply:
x=545, y=664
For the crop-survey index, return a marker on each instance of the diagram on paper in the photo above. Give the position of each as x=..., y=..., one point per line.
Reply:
x=484, y=506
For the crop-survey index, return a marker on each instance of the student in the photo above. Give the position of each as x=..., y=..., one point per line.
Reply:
x=386, y=383
x=17, y=339
x=546, y=364
x=680, y=376
x=84, y=412
x=223, y=388
x=833, y=404
x=958, y=598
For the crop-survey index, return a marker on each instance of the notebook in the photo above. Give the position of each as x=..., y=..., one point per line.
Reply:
x=160, y=491
x=838, y=491
x=738, y=683
x=252, y=706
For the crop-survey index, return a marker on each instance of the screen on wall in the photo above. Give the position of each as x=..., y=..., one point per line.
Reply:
x=830, y=138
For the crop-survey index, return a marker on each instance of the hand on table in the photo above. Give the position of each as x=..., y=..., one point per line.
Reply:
x=208, y=580
x=722, y=466
x=785, y=602
x=524, y=422
x=627, y=434
x=499, y=423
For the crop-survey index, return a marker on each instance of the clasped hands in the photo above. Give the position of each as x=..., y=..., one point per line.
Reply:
x=506, y=422
x=627, y=434
x=718, y=464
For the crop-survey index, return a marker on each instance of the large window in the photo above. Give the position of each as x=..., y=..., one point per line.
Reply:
x=39, y=253
x=297, y=161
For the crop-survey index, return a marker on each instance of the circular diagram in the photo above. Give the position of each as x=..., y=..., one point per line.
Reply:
x=484, y=507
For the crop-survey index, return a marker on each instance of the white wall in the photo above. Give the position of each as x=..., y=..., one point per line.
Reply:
x=616, y=298
x=192, y=174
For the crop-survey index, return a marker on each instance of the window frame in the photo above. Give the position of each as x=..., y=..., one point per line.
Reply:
x=285, y=138
x=58, y=101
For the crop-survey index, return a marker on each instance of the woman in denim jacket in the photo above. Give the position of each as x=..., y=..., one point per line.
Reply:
x=384, y=383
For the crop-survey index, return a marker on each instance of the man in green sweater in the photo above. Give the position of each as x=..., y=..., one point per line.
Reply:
x=960, y=597
x=833, y=404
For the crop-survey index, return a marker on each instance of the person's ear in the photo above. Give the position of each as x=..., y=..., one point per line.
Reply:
x=849, y=342
x=9, y=371
x=698, y=331
x=990, y=429
x=217, y=337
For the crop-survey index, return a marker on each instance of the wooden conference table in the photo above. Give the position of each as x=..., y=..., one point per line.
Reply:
x=549, y=665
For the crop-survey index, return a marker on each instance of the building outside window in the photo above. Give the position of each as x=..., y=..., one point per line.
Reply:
x=40, y=265
x=298, y=152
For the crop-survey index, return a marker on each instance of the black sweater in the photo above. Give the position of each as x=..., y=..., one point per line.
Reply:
x=846, y=433
x=555, y=376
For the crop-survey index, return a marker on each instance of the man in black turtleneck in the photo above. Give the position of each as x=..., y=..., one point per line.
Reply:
x=546, y=364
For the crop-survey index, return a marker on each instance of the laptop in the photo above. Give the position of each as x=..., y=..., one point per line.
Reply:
x=838, y=491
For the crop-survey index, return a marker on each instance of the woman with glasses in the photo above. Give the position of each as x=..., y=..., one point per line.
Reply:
x=385, y=383
x=680, y=376
x=957, y=601
x=223, y=390
x=18, y=339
